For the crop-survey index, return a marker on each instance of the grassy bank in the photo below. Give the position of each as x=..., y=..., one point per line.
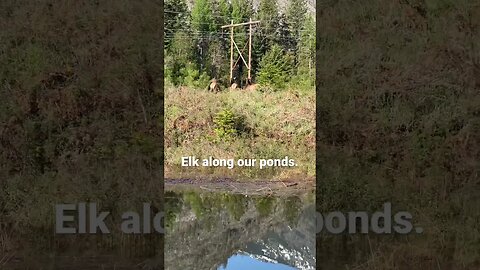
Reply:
x=80, y=91
x=266, y=125
x=399, y=99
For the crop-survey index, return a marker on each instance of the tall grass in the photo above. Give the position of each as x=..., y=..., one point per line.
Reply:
x=273, y=125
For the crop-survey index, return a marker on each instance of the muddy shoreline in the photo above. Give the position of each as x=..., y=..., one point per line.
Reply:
x=253, y=187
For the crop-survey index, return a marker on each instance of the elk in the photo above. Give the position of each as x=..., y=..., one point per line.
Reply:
x=251, y=87
x=214, y=86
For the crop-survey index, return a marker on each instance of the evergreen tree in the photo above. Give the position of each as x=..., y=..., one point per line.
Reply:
x=176, y=19
x=306, y=47
x=178, y=57
x=197, y=49
x=220, y=51
x=268, y=15
x=223, y=12
x=283, y=34
x=306, y=52
x=202, y=17
x=265, y=34
x=242, y=10
x=296, y=12
x=203, y=24
x=276, y=68
x=218, y=61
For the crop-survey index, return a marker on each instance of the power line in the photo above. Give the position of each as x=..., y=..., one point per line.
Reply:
x=174, y=32
x=216, y=16
x=256, y=30
x=225, y=35
x=209, y=36
x=263, y=21
x=221, y=16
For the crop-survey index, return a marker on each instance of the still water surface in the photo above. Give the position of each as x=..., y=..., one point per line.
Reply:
x=205, y=231
x=221, y=231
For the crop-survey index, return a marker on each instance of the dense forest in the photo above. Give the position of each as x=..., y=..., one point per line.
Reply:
x=197, y=49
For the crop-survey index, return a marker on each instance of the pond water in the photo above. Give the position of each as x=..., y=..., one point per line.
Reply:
x=222, y=231
x=205, y=231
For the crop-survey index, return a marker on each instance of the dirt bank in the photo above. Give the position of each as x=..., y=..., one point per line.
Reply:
x=258, y=187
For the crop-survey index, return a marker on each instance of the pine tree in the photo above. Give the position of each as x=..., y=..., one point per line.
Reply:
x=306, y=47
x=268, y=13
x=202, y=17
x=269, y=17
x=176, y=19
x=219, y=52
x=285, y=37
x=242, y=10
x=203, y=24
x=217, y=61
x=213, y=47
x=266, y=32
x=223, y=12
x=296, y=13
x=178, y=57
x=306, y=52
x=276, y=68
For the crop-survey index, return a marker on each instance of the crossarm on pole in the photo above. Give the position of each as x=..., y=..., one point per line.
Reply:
x=240, y=24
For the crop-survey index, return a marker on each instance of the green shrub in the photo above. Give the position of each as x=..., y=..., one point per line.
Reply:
x=226, y=124
x=193, y=77
x=276, y=68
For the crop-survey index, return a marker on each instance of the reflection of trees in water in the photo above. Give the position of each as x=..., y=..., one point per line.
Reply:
x=264, y=205
x=292, y=206
x=236, y=205
x=202, y=204
x=173, y=206
x=210, y=227
x=195, y=202
x=205, y=204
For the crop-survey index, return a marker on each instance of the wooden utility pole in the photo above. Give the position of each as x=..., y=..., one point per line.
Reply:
x=234, y=44
x=249, y=80
x=231, y=54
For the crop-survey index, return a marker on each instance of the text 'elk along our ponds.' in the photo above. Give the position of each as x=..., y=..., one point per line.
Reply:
x=192, y=161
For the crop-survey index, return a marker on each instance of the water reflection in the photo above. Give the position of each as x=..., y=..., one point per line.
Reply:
x=233, y=231
x=239, y=261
